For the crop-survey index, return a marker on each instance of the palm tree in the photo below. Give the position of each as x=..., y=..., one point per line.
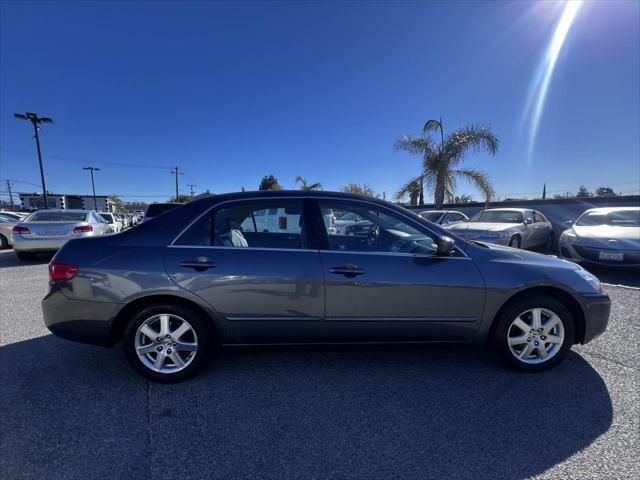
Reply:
x=306, y=186
x=439, y=160
x=360, y=189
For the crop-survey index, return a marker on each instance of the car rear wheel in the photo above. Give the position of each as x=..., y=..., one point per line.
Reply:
x=534, y=333
x=167, y=343
x=4, y=243
x=515, y=242
x=25, y=255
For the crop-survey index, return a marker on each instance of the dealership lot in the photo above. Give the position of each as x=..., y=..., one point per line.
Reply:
x=76, y=411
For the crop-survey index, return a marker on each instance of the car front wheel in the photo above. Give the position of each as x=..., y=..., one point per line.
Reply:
x=534, y=334
x=25, y=255
x=167, y=343
x=514, y=242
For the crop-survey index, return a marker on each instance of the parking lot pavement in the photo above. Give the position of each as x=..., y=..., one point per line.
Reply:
x=74, y=411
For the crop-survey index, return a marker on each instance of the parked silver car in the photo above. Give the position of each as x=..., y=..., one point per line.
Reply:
x=515, y=227
x=6, y=225
x=444, y=217
x=606, y=236
x=46, y=231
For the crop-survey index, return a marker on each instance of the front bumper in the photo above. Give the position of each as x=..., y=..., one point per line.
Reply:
x=590, y=255
x=596, y=308
x=79, y=320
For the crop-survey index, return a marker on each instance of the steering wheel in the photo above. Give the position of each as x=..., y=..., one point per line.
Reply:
x=374, y=233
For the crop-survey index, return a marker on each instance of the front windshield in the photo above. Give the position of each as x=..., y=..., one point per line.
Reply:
x=620, y=218
x=498, y=216
x=431, y=216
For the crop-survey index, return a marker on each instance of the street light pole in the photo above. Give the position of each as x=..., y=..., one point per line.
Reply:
x=37, y=120
x=93, y=185
x=177, y=172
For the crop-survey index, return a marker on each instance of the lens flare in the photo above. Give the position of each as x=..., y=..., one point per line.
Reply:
x=540, y=84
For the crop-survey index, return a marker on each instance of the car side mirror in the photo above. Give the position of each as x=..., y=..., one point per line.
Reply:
x=445, y=245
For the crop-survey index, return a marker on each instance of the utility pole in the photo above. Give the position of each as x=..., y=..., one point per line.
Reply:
x=10, y=195
x=93, y=185
x=191, y=185
x=177, y=172
x=37, y=120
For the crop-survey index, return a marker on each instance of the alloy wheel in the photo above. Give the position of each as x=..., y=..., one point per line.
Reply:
x=535, y=336
x=166, y=343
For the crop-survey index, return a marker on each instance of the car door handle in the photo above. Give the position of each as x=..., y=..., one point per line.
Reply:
x=348, y=270
x=200, y=264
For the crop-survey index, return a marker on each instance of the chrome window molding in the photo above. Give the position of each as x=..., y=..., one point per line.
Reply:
x=317, y=199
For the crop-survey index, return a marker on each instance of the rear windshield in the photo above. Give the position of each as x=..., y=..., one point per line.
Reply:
x=107, y=218
x=498, y=216
x=47, y=216
x=156, y=209
x=621, y=218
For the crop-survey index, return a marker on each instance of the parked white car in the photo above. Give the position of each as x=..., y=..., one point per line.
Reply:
x=115, y=224
x=444, y=217
x=45, y=231
x=283, y=220
x=605, y=236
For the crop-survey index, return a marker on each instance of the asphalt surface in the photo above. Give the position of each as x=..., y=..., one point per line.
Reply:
x=69, y=410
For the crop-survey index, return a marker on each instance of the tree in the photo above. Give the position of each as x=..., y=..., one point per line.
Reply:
x=439, y=161
x=414, y=190
x=363, y=189
x=583, y=192
x=308, y=186
x=463, y=199
x=605, y=192
x=181, y=199
x=269, y=182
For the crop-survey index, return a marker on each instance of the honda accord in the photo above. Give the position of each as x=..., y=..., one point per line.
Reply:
x=204, y=275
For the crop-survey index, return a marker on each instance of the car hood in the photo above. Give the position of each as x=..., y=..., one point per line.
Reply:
x=481, y=226
x=516, y=255
x=608, y=232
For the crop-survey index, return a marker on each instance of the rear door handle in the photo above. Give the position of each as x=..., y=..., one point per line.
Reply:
x=348, y=270
x=200, y=264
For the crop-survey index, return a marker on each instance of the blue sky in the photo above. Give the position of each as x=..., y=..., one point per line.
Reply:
x=233, y=91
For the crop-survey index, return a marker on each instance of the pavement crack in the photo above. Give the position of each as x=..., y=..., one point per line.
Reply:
x=610, y=360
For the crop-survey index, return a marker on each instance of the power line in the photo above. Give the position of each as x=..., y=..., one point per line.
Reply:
x=85, y=160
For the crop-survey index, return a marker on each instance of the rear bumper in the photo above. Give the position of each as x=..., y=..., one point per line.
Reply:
x=35, y=244
x=79, y=320
x=596, y=308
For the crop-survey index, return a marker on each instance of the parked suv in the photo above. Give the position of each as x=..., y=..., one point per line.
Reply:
x=205, y=274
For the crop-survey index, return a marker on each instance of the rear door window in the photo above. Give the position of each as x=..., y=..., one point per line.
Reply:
x=245, y=225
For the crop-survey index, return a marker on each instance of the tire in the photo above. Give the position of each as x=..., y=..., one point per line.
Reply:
x=25, y=255
x=170, y=371
x=4, y=243
x=515, y=242
x=505, y=332
x=548, y=244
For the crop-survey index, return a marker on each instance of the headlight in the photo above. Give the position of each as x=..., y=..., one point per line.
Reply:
x=591, y=279
x=570, y=237
x=495, y=234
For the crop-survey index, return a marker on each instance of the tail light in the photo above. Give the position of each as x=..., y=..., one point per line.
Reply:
x=282, y=223
x=62, y=271
x=20, y=230
x=333, y=221
x=83, y=228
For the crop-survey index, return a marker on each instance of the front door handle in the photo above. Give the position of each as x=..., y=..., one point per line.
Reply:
x=348, y=270
x=200, y=264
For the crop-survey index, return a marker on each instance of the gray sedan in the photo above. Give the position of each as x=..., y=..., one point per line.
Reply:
x=6, y=225
x=515, y=227
x=202, y=275
x=46, y=231
x=605, y=236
